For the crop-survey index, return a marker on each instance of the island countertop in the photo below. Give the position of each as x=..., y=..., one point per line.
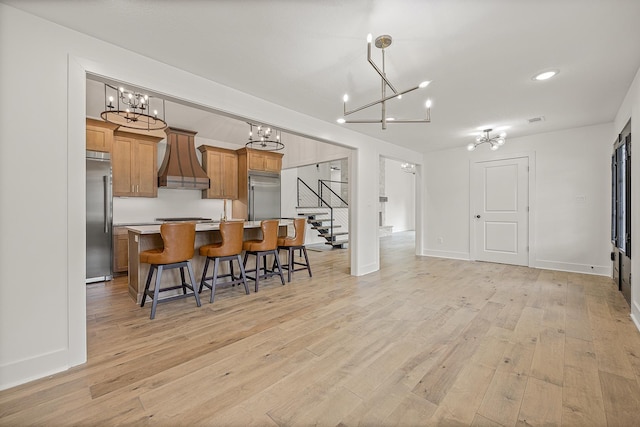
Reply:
x=204, y=226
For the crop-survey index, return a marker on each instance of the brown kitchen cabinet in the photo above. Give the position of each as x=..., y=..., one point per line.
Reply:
x=263, y=161
x=99, y=135
x=250, y=160
x=120, y=250
x=221, y=166
x=134, y=162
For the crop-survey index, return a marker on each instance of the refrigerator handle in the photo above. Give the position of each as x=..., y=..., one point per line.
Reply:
x=107, y=201
x=252, y=206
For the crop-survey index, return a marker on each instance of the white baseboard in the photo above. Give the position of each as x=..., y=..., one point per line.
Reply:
x=446, y=254
x=23, y=371
x=598, y=270
x=366, y=269
x=635, y=313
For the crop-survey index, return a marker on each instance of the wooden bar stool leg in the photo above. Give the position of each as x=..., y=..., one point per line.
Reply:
x=184, y=283
x=193, y=283
x=257, y=271
x=244, y=276
x=290, y=256
x=204, y=275
x=233, y=275
x=146, y=286
x=216, y=264
x=156, y=291
x=279, y=267
x=306, y=258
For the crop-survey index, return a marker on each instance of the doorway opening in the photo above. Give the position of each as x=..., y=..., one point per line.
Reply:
x=397, y=201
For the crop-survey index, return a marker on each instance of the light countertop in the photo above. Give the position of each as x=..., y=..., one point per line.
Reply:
x=208, y=226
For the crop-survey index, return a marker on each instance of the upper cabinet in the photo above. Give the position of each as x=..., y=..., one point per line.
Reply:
x=100, y=135
x=263, y=161
x=134, y=162
x=221, y=166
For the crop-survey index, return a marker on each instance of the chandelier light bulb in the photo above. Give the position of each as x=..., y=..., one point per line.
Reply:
x=428, y=103
x=471, y=146
x=345, y=98
x=500, y=141
x=369, y=38
x=155, y=112
x=399, y=97
x=341, y=120
x=121, y=89
x=424, y=84
x=494, y=147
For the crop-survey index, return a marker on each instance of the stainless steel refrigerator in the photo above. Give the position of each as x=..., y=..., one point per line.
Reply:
x=99, y=217
x=264, y=196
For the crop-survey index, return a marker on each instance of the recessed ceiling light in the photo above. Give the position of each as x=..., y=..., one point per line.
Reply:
x=545, y=75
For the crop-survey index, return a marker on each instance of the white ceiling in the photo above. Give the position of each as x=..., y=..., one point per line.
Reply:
x=479, y=55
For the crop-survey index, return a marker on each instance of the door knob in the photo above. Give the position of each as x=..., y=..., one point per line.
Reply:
x=478, y=216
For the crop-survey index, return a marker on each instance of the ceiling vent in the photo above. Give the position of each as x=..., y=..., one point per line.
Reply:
x=536, y=119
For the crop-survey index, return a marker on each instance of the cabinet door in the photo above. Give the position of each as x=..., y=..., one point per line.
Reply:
x=145, y=169
x=230, y=176
x=99, y=135
x=256, y=161
x=272, y=164
x=121, y=166
x=214, y=166
x=120, y=250
x=98, y=139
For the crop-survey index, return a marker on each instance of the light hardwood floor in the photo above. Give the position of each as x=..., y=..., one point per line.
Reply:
x=423, y=341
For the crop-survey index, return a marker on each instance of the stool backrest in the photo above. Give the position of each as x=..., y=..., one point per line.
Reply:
x=179, y=240
x=232, y=233
x=299, y=225
x=269, y=233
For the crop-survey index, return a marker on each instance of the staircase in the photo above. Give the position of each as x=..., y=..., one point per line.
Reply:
x=326, y=211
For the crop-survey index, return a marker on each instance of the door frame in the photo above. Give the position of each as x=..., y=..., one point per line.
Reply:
x=531, y=156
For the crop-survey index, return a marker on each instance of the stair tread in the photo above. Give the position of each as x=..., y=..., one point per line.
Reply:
x=325, y=228
x=342, y=233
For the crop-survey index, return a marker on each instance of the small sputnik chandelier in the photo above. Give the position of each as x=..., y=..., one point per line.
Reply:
x=495, y=141
x=131, y=109
x=264, y=138
x=382, y=42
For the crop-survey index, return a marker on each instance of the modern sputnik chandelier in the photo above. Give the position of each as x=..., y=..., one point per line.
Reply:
x=495, y=141
x=264, y=138
x=382, y=42
x=131, y=109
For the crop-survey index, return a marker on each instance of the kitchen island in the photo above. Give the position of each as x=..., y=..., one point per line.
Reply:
x=145, y=237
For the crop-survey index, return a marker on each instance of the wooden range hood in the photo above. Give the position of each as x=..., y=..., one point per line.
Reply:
x=180, y=168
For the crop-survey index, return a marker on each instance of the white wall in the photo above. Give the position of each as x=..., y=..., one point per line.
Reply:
x=43, y=68
x=570, y=199
x=630, y=109
x=400, y=190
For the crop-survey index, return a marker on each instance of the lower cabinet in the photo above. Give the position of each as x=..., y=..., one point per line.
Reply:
x=120, y=250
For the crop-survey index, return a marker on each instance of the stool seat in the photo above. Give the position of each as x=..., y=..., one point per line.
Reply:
x=261, y=249
x=229, y=249
x=178, y=247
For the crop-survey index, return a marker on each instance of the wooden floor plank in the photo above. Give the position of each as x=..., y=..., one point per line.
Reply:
x=422, y=341
x=541, y=404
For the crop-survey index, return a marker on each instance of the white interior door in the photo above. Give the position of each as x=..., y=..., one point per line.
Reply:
x=500, y=201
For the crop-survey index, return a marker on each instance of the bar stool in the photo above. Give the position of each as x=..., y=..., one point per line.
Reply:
x=261, y=248
x=178, y=240
x=228, y=250
x=293, y=244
